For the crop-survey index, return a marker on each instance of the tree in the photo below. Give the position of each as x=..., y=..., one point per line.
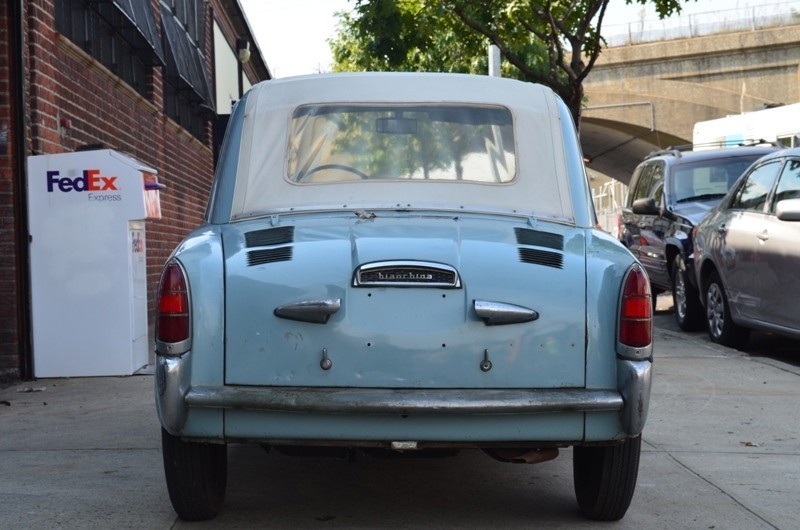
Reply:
x=552, y=42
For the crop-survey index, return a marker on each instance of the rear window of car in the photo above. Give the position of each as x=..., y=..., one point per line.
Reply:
x=337, y=143
x=708, y=179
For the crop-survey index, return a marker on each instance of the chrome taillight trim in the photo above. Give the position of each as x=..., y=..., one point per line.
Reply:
x=180, y=347
x=624, y=351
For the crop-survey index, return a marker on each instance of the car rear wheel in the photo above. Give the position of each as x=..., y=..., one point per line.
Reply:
x=685, y=298
x=196, y=476
x=605, y=478
x=721, y=328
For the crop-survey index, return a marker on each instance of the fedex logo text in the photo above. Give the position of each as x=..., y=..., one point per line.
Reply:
x=90, y=181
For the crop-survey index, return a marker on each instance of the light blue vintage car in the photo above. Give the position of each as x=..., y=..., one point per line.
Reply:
x=408, y=263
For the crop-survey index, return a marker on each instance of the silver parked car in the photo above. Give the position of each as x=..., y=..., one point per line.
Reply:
x=403, y=263
x=747, y=253
x=670, y=191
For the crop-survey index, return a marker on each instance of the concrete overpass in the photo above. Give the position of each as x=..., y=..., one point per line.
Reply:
x=644, y=96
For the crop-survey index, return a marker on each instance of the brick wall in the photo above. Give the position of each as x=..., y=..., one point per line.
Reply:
x=9, y=339
x=67, y=85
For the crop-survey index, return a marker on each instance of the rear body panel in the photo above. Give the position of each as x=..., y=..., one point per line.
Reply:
x=406, y=337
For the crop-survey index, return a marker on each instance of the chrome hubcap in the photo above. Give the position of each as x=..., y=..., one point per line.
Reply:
x=715, y=310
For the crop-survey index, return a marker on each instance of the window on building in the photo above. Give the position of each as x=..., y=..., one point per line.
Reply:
x=187, y=89
x=120, y=34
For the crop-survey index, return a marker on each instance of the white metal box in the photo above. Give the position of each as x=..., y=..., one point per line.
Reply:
x=87, y=214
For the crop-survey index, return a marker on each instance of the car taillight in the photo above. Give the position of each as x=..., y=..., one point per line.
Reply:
x=636, y=313
x=173, y=306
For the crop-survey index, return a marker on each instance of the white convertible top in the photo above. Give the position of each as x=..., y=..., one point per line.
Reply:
x=541, y=187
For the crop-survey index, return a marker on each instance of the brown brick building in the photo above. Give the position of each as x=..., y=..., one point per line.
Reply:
x=151, y=78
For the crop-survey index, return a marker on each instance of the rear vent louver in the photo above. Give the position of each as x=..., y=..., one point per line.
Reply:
x=537, y=256
x=269, y=255
x=270, y=237
x=534, y=238
x=541, y=257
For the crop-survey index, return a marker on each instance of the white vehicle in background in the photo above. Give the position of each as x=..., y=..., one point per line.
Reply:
x=776, y=124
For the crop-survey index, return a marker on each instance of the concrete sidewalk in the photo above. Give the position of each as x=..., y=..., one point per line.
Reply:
x=722, y=450
x=82, y=453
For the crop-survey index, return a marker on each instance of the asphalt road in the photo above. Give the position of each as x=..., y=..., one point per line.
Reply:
x=721, y=451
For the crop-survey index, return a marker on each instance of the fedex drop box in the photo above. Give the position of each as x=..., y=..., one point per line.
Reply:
x=87, y=213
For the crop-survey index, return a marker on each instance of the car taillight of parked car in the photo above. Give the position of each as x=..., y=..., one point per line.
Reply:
x=636, y=311
x=173, y=305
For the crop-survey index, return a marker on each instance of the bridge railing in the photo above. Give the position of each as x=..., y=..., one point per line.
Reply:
x=684, y=26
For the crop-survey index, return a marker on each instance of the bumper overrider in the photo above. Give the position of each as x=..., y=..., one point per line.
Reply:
x=175, y=396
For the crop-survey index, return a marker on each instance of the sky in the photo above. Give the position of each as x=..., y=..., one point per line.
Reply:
x=292, y=34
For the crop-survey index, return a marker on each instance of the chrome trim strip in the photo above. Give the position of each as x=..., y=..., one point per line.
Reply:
x=314, y=311
x=455, y=211
x=411, y=268
x=637, y=354
x=333, y=400
x=499, y=313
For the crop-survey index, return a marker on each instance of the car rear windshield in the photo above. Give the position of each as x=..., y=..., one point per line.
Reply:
x=709, y=179
x=335, y=143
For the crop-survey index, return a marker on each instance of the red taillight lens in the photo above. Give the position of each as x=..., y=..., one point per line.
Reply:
x=636, y=310
x=173, y=305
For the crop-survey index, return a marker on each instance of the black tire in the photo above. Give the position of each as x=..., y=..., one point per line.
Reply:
x=196, y=476
x=605, y=478
x=685, y=299
x=721, y=327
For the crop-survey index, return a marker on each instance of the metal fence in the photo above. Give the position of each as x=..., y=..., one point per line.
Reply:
x=608, y=199
x=684, y=26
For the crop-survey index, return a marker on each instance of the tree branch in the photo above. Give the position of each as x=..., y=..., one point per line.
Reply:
x=513, y=58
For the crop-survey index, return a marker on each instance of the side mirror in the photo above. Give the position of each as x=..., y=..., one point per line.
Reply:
x=645, y=206
x=788, y=210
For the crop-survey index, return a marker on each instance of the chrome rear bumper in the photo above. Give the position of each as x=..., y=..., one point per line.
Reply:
x=174, y=397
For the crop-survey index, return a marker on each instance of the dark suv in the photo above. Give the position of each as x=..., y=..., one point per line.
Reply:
x=669, y=193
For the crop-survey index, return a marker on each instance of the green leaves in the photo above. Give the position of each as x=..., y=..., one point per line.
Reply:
x=552, y=42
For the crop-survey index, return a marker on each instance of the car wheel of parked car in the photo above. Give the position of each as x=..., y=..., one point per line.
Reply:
x=196, y=476
x=605, y=477
x=685, y=298
x=721, y=328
